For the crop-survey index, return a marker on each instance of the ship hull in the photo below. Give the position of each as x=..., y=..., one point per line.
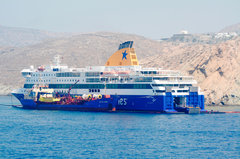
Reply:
x=159, y=103
x=147, y=103
x=104, y=104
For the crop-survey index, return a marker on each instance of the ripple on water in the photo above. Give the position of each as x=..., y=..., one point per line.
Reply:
x=66, y=134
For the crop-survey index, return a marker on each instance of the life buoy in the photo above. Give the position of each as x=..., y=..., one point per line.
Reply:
x=89, y=96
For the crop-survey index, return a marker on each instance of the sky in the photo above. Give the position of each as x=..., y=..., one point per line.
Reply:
x=154, y=19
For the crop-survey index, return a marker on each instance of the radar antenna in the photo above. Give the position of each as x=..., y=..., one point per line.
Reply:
x=57, y=60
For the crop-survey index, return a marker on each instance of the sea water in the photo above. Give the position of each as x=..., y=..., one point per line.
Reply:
x=74, y=134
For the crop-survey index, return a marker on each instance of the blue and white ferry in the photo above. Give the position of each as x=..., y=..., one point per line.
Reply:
x=130, y=86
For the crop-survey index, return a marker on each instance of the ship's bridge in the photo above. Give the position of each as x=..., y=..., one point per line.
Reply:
x=26, y=72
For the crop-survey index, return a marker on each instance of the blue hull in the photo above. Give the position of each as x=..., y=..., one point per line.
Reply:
x=157, y=103
x=103, y=104
x=95, y=105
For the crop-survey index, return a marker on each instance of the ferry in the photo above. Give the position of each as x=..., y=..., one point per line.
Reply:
x=121, y=85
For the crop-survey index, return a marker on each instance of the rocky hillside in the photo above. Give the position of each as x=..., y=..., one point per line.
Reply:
x=214, y=65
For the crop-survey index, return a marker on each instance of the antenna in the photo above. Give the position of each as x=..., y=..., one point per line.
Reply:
x=57, y=60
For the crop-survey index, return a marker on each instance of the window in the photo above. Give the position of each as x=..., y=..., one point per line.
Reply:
x=182, y=90
x=68, y=74
x=160, y=91
x=92, y=80
x=129, y=86
x=55, y=69
x=102, y=86
x=135, y=63
x=134, y=57
x=160, y=78
x=92, y=74
x=144, y=72
x=104, y=79
x=158, y=85
x=143, y=79
x=172, y=85
x=28, y=85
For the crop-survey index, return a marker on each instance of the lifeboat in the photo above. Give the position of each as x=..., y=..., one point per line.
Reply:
x=41, y=68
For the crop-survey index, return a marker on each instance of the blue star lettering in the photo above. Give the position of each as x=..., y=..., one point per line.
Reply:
x=124, y=55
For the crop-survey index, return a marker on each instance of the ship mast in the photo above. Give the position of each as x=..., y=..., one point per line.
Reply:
x=57, y=60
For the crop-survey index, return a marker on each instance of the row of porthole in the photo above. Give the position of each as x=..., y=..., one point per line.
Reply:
x=50, y=80
x=90, y=90
x=37, y=75
x=161, y=91
x=94, y=90
x=38, y=80
x=74, y=80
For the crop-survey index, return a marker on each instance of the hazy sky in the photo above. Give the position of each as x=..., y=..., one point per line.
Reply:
x=151, y=18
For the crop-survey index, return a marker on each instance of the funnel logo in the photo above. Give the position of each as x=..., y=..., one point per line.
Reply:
x=124, y=55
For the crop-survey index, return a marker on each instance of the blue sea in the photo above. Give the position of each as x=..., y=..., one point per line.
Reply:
x=73, y=134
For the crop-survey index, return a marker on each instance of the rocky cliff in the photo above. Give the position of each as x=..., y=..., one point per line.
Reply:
x=215, y=67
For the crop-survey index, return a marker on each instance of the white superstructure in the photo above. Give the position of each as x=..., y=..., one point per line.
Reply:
x=120, y=80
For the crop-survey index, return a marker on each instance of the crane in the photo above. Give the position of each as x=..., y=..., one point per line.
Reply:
x=71, y=88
